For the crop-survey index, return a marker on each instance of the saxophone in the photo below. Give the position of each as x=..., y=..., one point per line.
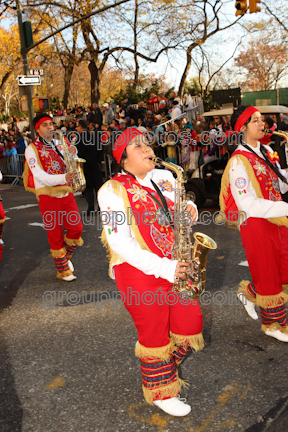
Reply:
x=194, y=284
x=73, y=165
x=280, y=133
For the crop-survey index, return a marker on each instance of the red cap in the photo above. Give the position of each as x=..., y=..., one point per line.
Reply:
x=244, y=117
x=41, y=120
x=123, y=140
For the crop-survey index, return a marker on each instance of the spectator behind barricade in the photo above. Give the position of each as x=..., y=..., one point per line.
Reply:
x=87, y=149
x=140, y=112
x=141, y=122
x=220, y=124
x=176, y=110
x=200, y=119
x=72, y=126
x=171, y=99
x=150, y=122
x=26, y=139
x=108, y=114
x=268, y=124
x=89, y=115
x=153, y=103
x=91, y=127
x=98, y=117
x=188, y=106
x=122, y=125
x=115, y=124
x=127, y=121
x=20, y=143
x=113, y=106
x=10, y=149
x=121, y=112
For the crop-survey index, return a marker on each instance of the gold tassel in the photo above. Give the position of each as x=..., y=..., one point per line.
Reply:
x=3, y=220
x=273, y=327
x=243, y=288
x=271, y=301
x=118, y=189
x=285, y=288
x=169, y=390
x=54, y=191
x=196, y=342
x=162, y=353
x=58, y=253
x=73, y=242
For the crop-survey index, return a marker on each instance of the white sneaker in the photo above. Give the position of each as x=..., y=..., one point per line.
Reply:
x=71, y=267
x=1, y=242
x=69, y=278
x=174, y=406
x=277, y=334
x=248, y=306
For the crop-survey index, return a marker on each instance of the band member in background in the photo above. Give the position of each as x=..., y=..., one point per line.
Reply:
x=252, y=183
x=2, y=221
x=141, y=263
x=45, y=175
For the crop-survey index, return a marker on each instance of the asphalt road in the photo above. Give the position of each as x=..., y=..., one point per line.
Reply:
x=67, y=367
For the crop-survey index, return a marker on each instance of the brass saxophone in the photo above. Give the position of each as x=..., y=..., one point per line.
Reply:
x=280, y=133
x=73, y=165
x=194, y=285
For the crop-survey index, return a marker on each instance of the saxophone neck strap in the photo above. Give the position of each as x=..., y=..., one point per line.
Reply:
x=162, y=204
x=267, y=160
x=52, y=145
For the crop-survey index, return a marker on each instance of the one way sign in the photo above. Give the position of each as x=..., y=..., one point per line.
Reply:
x=24, y=80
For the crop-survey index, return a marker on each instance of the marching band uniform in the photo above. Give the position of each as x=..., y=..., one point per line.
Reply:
x=44, y=175
x=249, y=185
x=2, y=220
x=141, y=264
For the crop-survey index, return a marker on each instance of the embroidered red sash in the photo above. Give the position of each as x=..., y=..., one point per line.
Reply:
x=157, y=234
x=267, y=179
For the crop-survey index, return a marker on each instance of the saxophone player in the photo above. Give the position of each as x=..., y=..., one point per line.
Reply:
x=141, y=263
x=45, y=175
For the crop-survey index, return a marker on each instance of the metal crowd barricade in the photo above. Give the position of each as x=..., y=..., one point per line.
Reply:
x=12, y=167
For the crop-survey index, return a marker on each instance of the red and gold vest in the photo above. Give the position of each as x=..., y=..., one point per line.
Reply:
x=263, y=179
x=149, y=227
x=50, y=162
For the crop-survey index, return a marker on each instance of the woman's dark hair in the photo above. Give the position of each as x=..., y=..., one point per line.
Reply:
x=269, y=121
x=237, y=113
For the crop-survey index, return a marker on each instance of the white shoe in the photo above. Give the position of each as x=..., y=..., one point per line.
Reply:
x=71, y=267
x=277, y=334
x=69, y=278
x=173, y=406
x=1, y=242
x=248, y=306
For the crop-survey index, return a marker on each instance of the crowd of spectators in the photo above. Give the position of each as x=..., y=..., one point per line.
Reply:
x=174, y=126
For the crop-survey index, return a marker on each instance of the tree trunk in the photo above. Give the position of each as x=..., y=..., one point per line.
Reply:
x=136, y=73
x=186, y=71
x=95, y=80
x=68, y=72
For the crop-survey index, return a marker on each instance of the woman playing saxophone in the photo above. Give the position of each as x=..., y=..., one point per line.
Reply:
x=140, y=250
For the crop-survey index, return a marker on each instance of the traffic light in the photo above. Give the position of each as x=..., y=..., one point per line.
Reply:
x=40, y=104
x=28, y=35
x=241, y=6
x=253, y=6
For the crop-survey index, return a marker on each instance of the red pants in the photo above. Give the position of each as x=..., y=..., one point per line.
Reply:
x=168, y=328
x=154, y=321
x=58, y=213
x=266, y=247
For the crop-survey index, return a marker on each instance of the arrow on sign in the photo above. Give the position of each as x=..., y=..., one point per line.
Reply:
x=28, y=80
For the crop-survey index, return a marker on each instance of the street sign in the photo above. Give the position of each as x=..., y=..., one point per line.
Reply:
x=36, y=72
x=24, y=80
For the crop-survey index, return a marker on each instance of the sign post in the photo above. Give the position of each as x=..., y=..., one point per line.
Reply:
x=25, y=67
